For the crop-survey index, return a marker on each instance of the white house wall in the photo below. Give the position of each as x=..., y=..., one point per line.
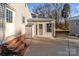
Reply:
x=9, y=27
x=17, y=26
x=45, y=33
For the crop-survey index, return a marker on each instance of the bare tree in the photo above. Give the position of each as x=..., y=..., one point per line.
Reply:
x=66, y=13
x=49, y=10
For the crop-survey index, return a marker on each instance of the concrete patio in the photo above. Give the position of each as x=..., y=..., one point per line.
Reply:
x=56, y=47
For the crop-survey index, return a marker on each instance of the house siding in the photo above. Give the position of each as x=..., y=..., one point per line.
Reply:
x=74, y=27
x=44, y=33
x=16, y=28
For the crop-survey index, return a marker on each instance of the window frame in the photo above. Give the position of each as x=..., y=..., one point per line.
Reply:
x=49, y=27
x=23, y=19
x=9, y=15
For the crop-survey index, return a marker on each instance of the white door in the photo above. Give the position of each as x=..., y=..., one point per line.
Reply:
x=40, y=29
x=28, y=32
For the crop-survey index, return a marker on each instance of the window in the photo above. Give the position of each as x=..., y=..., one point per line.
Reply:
x=9, y=16
x=40, y=26
x=49, y=27
x=23, y=19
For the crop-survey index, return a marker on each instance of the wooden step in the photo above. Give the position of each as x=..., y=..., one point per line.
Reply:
x=19, y=48
x=12, y=41
x=15, y=45
x=23, y=51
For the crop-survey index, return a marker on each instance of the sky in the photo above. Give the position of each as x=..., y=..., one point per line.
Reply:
x=74, y=8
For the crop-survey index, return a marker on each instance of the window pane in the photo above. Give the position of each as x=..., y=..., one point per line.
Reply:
x=9, y=16
x=49, y=27
x=40, y=26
